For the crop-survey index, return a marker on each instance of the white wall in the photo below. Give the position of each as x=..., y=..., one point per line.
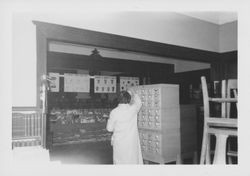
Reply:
x=23, y=62
x=228, y=37
x=171, y=28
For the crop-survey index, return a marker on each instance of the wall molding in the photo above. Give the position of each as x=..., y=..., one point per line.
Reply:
x=79, y=36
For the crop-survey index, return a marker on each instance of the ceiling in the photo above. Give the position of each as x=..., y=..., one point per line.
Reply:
x=213, y=17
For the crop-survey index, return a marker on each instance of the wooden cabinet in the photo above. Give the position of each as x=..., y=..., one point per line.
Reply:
x=159, y=122
x=188, y=128
x=168, y=130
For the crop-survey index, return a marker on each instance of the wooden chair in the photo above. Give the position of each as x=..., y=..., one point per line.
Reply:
x=236, y=96
x=227, y=87
x=218, y=126
x=231, y=84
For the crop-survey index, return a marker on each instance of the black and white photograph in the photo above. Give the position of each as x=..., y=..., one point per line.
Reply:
x=134, y=86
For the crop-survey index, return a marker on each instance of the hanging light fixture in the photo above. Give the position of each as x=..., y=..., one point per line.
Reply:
x=95, y=53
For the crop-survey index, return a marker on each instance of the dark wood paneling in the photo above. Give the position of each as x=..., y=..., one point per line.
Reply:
x=185, y=79
x=86, y=37
x=229, y=56
x=226, y=67
x=137, y=68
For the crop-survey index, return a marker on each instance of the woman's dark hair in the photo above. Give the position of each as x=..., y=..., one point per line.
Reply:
x=124, y=97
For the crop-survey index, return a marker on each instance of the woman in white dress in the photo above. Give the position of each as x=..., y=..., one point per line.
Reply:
x=123, y=123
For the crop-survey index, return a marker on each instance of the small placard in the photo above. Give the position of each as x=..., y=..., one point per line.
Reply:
x=54, y=84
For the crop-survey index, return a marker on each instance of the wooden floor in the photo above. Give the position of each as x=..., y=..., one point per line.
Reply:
x=86, y=153
x=94, y=153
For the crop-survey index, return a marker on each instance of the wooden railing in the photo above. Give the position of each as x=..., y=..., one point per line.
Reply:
x=28, y=127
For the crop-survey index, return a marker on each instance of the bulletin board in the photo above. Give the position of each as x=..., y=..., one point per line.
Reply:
x=126, y=82
x=105, y=84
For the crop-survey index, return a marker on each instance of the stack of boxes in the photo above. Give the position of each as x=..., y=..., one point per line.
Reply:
x=159, y=122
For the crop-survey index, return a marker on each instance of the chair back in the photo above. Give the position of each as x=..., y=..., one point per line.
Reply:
x=231, y=85
x=205, y=97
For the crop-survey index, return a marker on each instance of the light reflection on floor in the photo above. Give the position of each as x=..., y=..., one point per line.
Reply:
x=86, y=153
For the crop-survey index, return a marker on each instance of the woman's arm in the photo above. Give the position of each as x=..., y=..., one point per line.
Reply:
x=136, y=101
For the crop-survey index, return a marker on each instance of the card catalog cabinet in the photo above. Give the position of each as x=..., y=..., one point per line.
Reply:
x=159, y=122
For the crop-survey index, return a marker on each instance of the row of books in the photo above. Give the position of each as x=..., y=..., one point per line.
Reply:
x=79, y=125
x=71, y=116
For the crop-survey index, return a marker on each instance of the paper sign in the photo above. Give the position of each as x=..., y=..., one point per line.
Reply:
x=105, y=84
x=76, y=82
